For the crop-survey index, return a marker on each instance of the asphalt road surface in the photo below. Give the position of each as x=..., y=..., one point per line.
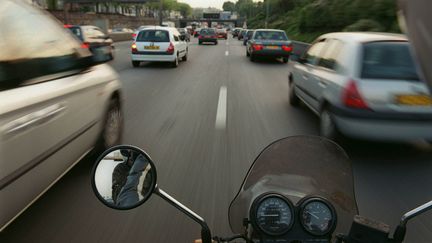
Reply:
x=202, y=155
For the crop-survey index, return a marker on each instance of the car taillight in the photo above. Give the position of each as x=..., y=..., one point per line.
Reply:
x=352, y=98
x=134, y=48
x=287, y=48
x=68, y=26
x=134, y=35
x=170, y=49
x=214, y=37
x=200, y=37
x=85, y=45
x=257, y=47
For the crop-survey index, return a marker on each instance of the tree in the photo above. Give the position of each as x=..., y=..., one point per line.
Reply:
x=184, y=9
x=229, y=6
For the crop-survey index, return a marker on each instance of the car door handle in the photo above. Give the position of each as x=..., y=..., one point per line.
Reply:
x=34, y=119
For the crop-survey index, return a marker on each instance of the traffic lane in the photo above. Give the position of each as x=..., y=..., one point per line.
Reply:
x=170, y=113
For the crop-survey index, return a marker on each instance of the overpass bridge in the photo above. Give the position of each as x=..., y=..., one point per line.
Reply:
x=184, y=22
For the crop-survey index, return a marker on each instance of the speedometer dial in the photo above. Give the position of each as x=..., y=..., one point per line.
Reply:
x=317, y=216
x=274, y=215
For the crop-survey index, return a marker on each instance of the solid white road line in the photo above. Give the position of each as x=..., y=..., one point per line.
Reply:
x=226, y=53
x=221, y=109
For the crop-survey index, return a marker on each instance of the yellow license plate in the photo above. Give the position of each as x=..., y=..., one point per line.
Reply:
x=272, y=47
x=414, y=100
x=151, y=47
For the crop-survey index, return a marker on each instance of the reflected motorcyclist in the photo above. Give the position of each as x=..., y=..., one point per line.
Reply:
x=121, y=172
x=137, y=184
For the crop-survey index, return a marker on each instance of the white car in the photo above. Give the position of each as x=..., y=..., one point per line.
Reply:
x=159, y=44
x=58, y=102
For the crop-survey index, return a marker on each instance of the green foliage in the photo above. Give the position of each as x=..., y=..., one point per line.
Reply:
x=229, y=6
x=304, y=20
x=185, y=9
x=169, y=5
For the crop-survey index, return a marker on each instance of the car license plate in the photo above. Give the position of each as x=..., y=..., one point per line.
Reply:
x=151, y=47
x=207, y=37
x=414, y=100
x=273, y=47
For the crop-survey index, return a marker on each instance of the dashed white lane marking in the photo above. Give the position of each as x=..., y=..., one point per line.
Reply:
x=221, y=109
x=226, y=53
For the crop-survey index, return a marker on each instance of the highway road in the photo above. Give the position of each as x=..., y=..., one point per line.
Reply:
x=202, y=153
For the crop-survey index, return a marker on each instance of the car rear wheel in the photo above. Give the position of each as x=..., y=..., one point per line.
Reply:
x=136, y=63
x=199, y=43
x=252, y=57
x=247, y=53
x=185, y=57
x=175, y=63
x=293, y=99
x=328, y=128
x=216, y=43
x=285, y=59
x=112, y=126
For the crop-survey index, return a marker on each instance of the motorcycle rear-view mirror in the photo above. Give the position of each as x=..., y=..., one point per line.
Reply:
x=124, y=177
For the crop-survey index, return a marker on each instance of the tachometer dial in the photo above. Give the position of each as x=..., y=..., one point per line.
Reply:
x=274, y=215
x=317, y=216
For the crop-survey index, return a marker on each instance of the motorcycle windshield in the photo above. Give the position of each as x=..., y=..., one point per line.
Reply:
x=297, y=167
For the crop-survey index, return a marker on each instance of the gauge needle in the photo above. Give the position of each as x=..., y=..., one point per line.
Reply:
x=313, y=215
x=271, y=215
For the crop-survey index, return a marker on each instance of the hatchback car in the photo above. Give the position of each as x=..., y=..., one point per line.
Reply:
x=159, y=44
x=363, y=85
x=58, y=102
x=241, y=34
x=208, y=35
x=269, y=43
x=222, y=34
x=93, y=38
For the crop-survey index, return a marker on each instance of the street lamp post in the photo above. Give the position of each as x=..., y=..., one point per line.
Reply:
x=160, y=12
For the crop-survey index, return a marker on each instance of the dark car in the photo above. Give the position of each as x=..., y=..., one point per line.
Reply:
x=184, y=34
x=241, y=34
x=236, y=32
x=269, y=43
x=248, y=36
x=207, y=35
x=222, y=34
x=93, y=38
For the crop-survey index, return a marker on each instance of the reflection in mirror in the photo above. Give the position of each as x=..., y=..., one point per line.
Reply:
x=124, y=178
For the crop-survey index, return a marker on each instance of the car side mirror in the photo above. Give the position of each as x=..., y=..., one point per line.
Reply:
x=182, y=37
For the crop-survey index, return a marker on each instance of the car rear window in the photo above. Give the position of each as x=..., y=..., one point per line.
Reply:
x=221, y=31
x=207, y=32
x=388, y=60
x=271, y=35
x=76, y=31
x=153, y=36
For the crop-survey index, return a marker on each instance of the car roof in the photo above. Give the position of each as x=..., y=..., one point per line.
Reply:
x=365, y=36
x=270, y=30
x=159, y=28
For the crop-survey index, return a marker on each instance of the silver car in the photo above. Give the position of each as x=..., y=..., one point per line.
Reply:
x=363, y=85
x=58, y=102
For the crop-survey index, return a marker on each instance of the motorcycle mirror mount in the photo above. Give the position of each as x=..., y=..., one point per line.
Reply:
x=400, y=232
x=124, y=177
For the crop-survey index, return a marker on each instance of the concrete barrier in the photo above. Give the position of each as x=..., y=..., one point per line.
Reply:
x=116, y=37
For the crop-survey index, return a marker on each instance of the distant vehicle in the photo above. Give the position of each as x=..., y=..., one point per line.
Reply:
x=236, y=32
x=208, y=35
x=241, y=34
x=159, y=44
x=222, y=34
x=196, y=32
x=93, y=38
x=141, y=28
x=269, y=43
x=58, y=103
x=247, y=37
x=122, y=30
x=363, y=85
x=184, y=33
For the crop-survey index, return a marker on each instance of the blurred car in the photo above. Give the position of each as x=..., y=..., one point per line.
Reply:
x=241, y=34
x=196, y=32
x=269, y=43
x=247, y=37
x=159, y=44
x=236, y=32
x=93, y=38
x=184, y=33
x=222, y=34
x=363, y=85
x=58, y=103
x=208, y=35
x=121, y=30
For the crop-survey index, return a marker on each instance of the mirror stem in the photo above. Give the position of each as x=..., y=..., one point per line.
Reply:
x=205, y=231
